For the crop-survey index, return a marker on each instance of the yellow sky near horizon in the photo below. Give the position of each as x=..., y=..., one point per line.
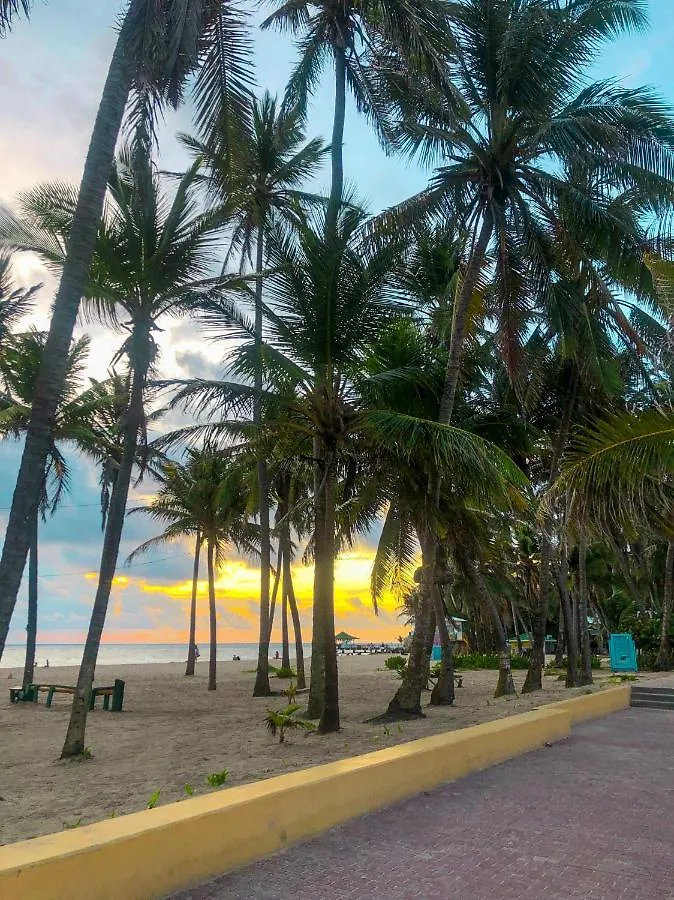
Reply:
x=162, y=608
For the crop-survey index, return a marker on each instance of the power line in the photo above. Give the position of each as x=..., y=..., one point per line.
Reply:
x=150, y=562
x=62, y=506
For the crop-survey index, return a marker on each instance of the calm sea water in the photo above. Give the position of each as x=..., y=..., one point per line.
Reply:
x=124, y=654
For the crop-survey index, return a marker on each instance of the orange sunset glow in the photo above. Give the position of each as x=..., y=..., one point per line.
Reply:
x=164, y=606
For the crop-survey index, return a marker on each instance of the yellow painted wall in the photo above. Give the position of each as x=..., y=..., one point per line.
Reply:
x=597, y=704
x=151, y=853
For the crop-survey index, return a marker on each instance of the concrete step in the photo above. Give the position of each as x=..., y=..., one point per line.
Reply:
x=652, y=703
x=644, y=691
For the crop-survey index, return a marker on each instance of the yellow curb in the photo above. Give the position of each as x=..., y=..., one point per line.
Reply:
x=146, y=855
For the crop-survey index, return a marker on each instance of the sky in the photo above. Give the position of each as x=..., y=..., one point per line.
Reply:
x=52, y=71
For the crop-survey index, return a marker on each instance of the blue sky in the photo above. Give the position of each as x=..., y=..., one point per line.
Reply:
x=51, y=74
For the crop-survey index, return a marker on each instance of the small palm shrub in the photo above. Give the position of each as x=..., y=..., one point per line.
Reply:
x=278, y=720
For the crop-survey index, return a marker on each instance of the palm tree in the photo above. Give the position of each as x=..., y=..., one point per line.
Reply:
x=254, y=182
x=325, y=306
x=15, y=302
x=504, y=151
x=19, y=366
x=159, y=45
x=9, y=9
x=153, y=259
x=355, y=35
x=207, y=499
x=506, y=154
x=176, y=504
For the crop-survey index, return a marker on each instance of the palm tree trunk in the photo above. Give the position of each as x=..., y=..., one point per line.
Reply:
x=64, y=314
x=297, y=624
x=505, y=686
x=337, y=146
x=75, y=736
x=191, y=650
x=460, y=318
x=663, y=661
x=407, y=700
x=213, y=619
x=31, y=626
x=534, y=680
x=262, y=687
x=317, y=682
x=443, y=692
x=566, y=606
x=561, y=634
x=285, y=640
x=586, y=652
x=324, y=594
x=274, y=593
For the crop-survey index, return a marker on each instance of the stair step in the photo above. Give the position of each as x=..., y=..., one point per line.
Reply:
x=653, y=691
x=648, y=703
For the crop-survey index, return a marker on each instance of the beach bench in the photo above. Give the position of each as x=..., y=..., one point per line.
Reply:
x=113, y=696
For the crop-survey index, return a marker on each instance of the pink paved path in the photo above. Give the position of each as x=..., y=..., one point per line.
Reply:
x=591, y=817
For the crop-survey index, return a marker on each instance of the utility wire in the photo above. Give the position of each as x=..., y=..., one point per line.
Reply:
x=150, y=562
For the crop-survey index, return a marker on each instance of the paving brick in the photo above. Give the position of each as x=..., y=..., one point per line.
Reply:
x=590, y=818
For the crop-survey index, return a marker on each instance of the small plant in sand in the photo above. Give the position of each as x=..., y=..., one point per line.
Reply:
x=397, y=664
x=285, y=672
x=154, y=800
x=278, y=720
x=85, y=754
x=70, y=825
x=189, y=790
x=290, y=693
x=217, y=779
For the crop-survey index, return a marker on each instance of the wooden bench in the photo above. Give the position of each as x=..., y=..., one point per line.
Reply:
x=114, y=693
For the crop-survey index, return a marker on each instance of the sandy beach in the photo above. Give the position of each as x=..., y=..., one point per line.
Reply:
x=174, y=732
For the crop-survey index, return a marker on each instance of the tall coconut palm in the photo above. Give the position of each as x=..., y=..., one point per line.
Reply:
x=325, y=306
x=354, y=36
x=257, y=179
x=152, y=260
x=504, y=154
x=159, y=45
x=19, y=366
x=206, y=498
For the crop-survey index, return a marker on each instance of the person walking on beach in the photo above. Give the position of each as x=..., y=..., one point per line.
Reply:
x=196, y=652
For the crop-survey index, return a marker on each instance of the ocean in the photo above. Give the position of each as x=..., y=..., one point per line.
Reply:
x=125, y=654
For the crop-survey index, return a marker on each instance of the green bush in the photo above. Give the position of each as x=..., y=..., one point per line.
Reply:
x=285, y=673
x=487, y=661
x=395, y=663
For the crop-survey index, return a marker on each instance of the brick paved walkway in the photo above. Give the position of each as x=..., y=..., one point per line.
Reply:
x=591, y=817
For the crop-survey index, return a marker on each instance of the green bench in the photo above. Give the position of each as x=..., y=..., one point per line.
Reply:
x=113, y=696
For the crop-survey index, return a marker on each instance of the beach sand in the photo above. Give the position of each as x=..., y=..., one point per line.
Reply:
x=174, y=732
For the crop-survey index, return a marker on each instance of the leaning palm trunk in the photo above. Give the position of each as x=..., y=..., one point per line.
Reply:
x=75, y=736
x=663, y=661
x=297, y=625
x=262, y=688
x=275, y=590
x=460, y=318
x=213, y=619
x=443, y=692
x=64, y=314
x=407, y=700
x=505, y=685
x=191, y=650
x=31, y=626
x=585, y=650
